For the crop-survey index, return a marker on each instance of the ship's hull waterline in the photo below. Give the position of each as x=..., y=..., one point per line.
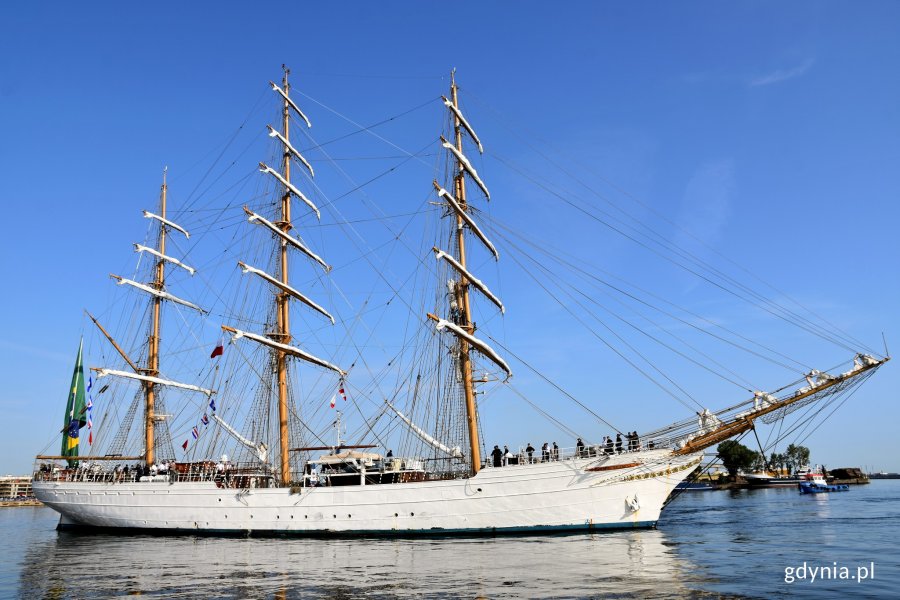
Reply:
x=551, y=496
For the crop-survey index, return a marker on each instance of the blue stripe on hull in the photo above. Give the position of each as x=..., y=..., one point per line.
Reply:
x=435, y=532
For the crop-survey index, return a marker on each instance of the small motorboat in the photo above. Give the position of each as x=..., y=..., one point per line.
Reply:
x=814, y=483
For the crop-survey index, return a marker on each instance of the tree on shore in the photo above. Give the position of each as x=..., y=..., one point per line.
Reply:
x=735, y=456
x=796, y=457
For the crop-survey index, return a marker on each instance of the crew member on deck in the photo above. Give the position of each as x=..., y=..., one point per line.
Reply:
x=579, y=448
x=497, y=455
x=530, y=451
x=618, y=443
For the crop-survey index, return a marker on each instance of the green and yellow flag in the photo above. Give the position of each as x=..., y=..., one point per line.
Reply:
x=75, y=410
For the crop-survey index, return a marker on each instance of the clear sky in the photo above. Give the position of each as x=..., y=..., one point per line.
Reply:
x=770, y=130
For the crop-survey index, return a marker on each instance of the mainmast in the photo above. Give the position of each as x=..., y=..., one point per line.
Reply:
x=152, y=369
x=279, y=339
x=282, y=305
x=462, y=291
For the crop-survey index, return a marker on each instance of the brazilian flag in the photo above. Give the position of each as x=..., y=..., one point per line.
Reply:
x=75, y=411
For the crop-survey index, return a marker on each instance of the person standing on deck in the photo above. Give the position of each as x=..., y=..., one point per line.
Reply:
x=497, y=455
x=555, y=451
x=579, y=448
x=618, y=443
x=530, y=451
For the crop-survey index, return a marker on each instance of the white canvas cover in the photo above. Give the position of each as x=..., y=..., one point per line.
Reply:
x=465, y=217
x=291, y=149
x=283, y=286
x=238, y=334
x=291, y=188
x=160, y=255
x=290, y=102
x=439, y=254
x=128, y=375
x=478, y=344
x=175, y=226
x=463, y=122
x=467, y=166
x=157, y=293
x=255, y=218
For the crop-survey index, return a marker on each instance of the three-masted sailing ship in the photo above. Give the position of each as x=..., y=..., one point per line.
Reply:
x=285, y=478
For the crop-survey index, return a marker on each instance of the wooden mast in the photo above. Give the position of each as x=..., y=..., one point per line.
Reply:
x=282, y=307
x=462, y=294
x=153, y=353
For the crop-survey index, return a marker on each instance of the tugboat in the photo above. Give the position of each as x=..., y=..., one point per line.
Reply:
x=814, y=483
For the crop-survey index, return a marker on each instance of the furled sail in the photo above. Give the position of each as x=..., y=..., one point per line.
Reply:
x=238, y=334
x=175, y=226
x=478, y=344
x=467, y=166
x=291, y=149
x=291, y=187
x=184, y=386
x=455, y=452
x=463, y=122
x=465, y=217
x=285, y=287
x=291, y=102
x=262, y=451
x=157, y=293
x=255, y=218
x=160, y=255
x=439, y=254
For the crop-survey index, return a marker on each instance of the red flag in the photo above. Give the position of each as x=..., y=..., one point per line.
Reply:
x=333, y=398
x=341, y=392
x=219, y=349
x=91, y=438
x=184, y=445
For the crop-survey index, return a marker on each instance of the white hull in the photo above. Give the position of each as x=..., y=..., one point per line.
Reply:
x=559, y=495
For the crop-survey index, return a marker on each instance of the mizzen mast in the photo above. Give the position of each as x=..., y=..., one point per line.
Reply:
x=152, y=369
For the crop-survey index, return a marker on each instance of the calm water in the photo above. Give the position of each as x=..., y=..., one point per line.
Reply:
x=709, y=544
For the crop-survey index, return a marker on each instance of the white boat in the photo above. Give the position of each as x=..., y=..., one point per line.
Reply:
x=133, y=477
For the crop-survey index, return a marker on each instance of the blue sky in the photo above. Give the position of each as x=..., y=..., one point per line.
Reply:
x=769, y=131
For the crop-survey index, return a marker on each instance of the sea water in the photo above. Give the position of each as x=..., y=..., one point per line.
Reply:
x=747, y=543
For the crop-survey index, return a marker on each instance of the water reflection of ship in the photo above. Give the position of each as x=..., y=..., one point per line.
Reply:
x=630, y=563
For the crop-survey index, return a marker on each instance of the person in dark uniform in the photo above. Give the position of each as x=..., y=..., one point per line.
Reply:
x=579, y=448
x=497, y=455
x=530, y=451
x=618, y=443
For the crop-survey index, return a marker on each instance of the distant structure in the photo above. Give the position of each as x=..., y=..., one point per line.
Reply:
x=12, y=486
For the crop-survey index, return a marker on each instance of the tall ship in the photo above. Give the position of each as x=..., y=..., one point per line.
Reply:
x=291, y=430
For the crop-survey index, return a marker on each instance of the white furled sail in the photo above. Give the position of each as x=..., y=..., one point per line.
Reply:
x=291, y=102
x=255, y=218
x=285, y=287
x=238, y=334
x=157, y=293
x=160, y=255
x=291, y=149
x=175, y=226
x=467, y=166
x=465, y=217
x=439, y=254
x=425, y=437
x=463, y=122
x=150, y=379
x=262, y=451
x=478, y=344
x=291, y=188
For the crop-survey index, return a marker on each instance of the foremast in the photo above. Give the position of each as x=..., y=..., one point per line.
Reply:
x=460, y=323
